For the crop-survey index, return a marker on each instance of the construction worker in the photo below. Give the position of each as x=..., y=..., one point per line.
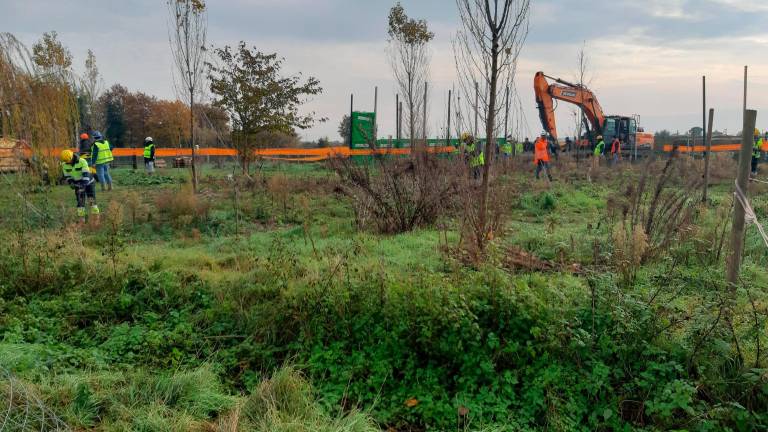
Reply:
x=85, y=143
x=756, y=149
x=527, y=146
x=554, y=148
x=764, y=146
x=468, y=142
x=506, y=148
x=477, y=161
x=77, y=174
x=541, y=155
x=598, y=153
x=149, y=155
x=519, y=148
x=615, y=150
x=101, y=157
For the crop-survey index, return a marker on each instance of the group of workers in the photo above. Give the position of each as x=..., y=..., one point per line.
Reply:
x=79, y=174
x=543, y=148
x=475, y=157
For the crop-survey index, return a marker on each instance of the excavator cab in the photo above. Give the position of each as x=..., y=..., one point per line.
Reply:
x=625, y=128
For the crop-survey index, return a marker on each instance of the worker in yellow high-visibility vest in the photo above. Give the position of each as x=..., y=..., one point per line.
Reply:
x=149, y=155
x=101, y=157
x=75, y=171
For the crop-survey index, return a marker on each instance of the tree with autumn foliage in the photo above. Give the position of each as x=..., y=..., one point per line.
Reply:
x=259, y=99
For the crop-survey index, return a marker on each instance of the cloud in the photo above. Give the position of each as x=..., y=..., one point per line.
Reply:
x=647, y=56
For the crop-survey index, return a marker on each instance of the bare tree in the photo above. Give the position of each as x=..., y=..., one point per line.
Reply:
x=188, y=27
x=486, y=49
x=409, y=57
x=584, y=79
x=91, y=86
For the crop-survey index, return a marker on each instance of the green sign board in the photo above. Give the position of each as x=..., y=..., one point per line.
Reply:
x=363, y=129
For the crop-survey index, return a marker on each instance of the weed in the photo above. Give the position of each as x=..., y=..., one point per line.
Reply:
x=182, y=206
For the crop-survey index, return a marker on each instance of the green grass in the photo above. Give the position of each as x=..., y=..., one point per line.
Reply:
x=195, y=329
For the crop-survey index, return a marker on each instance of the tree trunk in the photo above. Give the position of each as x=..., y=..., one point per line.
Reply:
x=489, y=141
x=192, y=137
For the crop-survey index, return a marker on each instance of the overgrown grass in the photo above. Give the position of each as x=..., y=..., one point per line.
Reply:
x=200, y=313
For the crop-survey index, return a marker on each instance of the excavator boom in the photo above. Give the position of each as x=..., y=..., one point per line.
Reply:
x=578, y=95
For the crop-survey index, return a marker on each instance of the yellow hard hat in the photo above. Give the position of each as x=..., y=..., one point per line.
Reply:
x=66, y=156
x=757, y=132
x=464, y=136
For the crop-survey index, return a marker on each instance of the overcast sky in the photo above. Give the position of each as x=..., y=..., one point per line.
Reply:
x=647, y=56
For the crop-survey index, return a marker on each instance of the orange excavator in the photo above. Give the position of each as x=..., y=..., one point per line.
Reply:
x=597, y=123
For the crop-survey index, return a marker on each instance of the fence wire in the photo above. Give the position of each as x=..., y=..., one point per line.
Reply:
x=22, y=410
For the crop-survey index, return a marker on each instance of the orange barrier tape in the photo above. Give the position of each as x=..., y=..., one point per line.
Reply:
x=701, y=148
x=279, y=154
x=288, y=154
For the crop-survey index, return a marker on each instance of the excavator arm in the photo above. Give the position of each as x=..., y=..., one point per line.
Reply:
x=576, y=94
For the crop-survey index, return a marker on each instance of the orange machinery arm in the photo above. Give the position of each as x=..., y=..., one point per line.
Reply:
x=565, y=91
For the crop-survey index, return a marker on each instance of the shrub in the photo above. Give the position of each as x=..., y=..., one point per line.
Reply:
x=182, y=206
x=396, y=195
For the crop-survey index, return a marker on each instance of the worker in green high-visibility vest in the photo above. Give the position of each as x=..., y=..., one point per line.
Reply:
x=506, y=148
x=149, y=155
x=101, y=157
x=477, y=161
x=519, y=149
x=75, y=171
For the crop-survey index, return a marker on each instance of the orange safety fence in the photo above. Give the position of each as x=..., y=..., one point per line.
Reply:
x=701, y=148
x=278, y=154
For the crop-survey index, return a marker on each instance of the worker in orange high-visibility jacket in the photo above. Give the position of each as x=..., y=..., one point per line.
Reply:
x=541, y=156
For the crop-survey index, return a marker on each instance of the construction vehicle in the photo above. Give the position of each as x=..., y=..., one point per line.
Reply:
x=633, y=138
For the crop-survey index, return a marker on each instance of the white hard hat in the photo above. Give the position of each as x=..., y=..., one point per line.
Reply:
x=148, y=139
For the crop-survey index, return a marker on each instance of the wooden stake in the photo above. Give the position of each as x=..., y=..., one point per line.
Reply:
x=375, y=112
x=448, y=130
x=351, y=111
x=745, y=90
x=477, y=107
x=506, y=118
x=707, y=154
x=397, y=120
x=424, y=124
x=742, y=180
x=703, y=109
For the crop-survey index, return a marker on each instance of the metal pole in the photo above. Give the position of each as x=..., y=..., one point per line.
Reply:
x=707, y=153
x=477, y=106
x=742, y=180
x=448, y=134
